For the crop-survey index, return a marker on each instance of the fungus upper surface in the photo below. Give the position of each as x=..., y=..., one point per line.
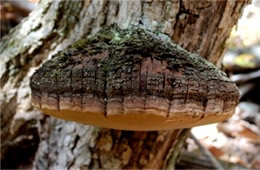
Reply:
x=133, y=80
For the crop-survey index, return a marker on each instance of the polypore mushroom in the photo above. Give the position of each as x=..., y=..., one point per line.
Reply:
x=132, y=79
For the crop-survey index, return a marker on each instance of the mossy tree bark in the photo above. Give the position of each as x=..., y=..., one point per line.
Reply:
x=49, y=143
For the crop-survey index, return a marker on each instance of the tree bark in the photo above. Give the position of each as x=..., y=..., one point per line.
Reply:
x=198, y=26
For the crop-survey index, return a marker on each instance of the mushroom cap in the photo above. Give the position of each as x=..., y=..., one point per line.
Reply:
x=132, y=79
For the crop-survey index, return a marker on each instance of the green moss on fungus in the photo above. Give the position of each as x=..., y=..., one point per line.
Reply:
x=113, y=50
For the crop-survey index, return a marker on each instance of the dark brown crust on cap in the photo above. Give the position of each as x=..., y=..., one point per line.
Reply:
x=132, y=80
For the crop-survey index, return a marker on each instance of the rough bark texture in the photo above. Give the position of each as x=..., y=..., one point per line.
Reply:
x=198, y=26
x=131, y=79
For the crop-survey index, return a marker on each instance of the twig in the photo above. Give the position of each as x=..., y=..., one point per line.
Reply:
x=244, y=78
x=207, y=153
x=174, y=151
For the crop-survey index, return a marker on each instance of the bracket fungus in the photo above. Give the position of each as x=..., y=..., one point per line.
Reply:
x=132, y=79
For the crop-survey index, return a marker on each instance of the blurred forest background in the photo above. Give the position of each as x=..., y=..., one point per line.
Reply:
x=238, y=139
x=235, y=142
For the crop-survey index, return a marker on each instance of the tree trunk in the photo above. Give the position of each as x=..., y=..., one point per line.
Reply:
x=30, y=139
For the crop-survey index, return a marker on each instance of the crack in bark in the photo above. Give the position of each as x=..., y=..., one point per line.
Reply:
x=105, y=12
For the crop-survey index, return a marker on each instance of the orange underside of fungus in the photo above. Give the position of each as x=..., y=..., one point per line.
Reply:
x=132, y=79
